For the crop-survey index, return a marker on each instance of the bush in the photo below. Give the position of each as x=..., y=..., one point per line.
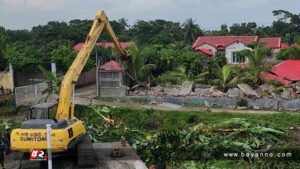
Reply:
x=242, y=103
x=193, y=119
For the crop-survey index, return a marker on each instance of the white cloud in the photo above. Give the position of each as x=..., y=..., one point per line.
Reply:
x=13, y=3
x=42, y=5
x=137, y=6
x=45, y=5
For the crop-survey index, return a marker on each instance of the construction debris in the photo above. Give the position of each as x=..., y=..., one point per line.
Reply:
x=248, y=90
x=186, y=88
x=235, y=93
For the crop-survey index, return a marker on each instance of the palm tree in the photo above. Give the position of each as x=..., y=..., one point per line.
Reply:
x=138, y=71
x=225, y=77
x=53, y=82
x=191, y=30
x=255, y=57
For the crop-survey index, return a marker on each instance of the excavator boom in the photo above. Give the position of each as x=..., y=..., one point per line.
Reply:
x=65, y=109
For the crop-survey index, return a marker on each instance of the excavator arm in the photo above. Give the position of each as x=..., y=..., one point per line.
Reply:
x=65, y=109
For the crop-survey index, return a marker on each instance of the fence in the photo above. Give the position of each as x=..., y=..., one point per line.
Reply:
x=30, y=94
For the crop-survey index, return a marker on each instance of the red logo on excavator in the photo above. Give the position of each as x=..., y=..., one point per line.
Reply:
x=38, y=154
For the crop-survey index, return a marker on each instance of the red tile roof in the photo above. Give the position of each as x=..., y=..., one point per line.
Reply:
x=223, y=41
x=268, y=76
x=78, y=46
x=289, y=69
x=220, y=42
x=272, y=42
x=205, y=51
x=112, y=66
x=284, y=45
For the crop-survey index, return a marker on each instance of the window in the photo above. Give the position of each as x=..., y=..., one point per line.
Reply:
x=237, y=59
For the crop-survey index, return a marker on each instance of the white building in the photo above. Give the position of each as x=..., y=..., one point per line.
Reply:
x=230, y=45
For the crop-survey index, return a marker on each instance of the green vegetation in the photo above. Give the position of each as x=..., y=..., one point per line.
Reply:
x=44, y=43
x=138, y=71
x=193, y=139
x=255, y=57
x=225, y=78
x=178, y=119
x=292, y=52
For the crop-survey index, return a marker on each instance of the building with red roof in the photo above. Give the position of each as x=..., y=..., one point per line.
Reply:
x=289, y=69
x=112, y=66
x=124, y=45
x=110, y=79
x=230, y=45
x=285, y=72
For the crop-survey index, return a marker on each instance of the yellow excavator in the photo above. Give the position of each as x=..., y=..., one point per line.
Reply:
x=68, y=132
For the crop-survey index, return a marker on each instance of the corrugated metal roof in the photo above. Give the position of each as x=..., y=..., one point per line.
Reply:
x=268, y=76
x=112, y=66
x=289, y=69
x=205, y=51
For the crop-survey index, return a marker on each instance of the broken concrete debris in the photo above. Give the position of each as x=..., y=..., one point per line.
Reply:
x=186, y=88
x=202, y=92
x=242, y=91
x=248, y=90
x=217, y=93
x=235, y=93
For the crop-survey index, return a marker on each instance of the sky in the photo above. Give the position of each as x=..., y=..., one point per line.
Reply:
x=209, y=14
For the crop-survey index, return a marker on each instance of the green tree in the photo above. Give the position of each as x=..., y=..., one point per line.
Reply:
x=225, y=77
x=63, y=56
x=191, y=30
x=292, y=52
x=18, y=54
x=255, y=57
x=243, y=28
x=3, y=40
x=138, y=71
x=53, y=82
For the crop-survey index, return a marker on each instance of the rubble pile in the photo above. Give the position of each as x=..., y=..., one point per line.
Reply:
x=288, y=92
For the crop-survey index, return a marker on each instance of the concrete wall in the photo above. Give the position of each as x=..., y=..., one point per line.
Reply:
x=24, y=78
x=113, y=91
x=87, y=78
x=6, y=81
x=263, y=103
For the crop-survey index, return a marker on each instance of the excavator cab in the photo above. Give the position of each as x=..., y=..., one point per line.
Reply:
x=41, y=114
x=42, y=111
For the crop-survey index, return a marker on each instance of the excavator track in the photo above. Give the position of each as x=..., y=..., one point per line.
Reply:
x=86, y=156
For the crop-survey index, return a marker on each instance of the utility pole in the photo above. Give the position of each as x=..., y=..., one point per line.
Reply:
x=49, y=146
x=97, y=75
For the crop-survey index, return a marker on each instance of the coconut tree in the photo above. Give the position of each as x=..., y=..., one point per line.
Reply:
x=191, y=30
x=53, y=82
x=138, y=70
x=255, y=57
x=225, y=77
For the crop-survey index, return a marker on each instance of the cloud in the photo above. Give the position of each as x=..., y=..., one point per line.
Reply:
x=137, y=6
x=13, y=3
x=45, y=5
x=42, y=5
